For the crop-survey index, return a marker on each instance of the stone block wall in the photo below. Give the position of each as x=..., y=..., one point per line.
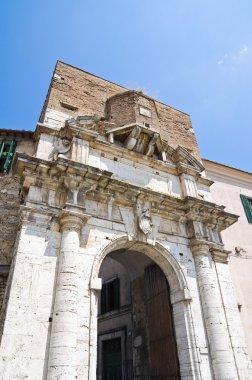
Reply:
x=9, y=206
x=10, y=199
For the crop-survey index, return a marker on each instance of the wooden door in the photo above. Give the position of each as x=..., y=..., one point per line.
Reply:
x=112, y=359
x=162, y=344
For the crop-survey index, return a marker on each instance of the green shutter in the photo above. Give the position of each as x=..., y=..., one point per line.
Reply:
x=2, y=147
x=247, y=208
x=10, y=155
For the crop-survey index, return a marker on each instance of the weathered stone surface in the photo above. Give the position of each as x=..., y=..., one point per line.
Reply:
x=9, y=208
x=89, y=94
x=98, y=197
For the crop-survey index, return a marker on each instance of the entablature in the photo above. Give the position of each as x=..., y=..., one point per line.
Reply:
x=77, y=183
x=133, y=141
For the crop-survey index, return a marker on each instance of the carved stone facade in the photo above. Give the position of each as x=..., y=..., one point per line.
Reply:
x=115, y=174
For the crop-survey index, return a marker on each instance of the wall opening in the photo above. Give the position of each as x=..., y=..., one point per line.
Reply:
x=136, y=336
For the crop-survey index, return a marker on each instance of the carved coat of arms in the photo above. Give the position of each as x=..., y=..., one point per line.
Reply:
x=145, y=222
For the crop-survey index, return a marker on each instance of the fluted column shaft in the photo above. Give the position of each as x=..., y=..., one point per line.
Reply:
x=213, y=312
x=62, y=354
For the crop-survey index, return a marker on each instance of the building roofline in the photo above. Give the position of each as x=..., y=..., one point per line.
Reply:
x=226, y=166
x=16, y=131
x=127, y=89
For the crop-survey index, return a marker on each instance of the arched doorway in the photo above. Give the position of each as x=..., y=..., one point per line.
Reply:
x=136, y=336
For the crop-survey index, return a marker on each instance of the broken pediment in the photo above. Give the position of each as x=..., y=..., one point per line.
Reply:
x=139, y=139
x=85, y=123
x=184, y=160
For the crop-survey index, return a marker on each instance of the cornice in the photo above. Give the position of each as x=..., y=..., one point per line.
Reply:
x=224, y=173
x=205, y=181
x=33, y=170
x=211, y=214
x=71, y=128
x=220, y=255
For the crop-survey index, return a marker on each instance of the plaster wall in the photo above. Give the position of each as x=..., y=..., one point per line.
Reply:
x=226, y=190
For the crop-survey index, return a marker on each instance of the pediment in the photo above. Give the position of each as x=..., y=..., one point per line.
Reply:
x=138, y=139
x=184, y=160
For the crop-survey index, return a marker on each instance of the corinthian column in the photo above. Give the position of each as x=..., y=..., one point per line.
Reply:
x=216, y=327
x=62, y=354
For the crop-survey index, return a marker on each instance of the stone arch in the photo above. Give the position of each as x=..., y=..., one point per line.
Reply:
x=180, y=299
x=158, y=253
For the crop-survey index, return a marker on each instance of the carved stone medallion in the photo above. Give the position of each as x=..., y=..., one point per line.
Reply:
x=145, y=222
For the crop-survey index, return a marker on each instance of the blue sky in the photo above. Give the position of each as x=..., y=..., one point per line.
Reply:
x=194, y=55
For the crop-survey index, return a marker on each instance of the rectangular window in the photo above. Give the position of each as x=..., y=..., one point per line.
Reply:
x=7, y=150
x=247, y=204
x=110, y=296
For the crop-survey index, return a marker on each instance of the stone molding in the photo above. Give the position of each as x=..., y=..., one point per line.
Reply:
x=200, y=247
x=181, y=296
x=31, y=215
x=189, y=208
x=220, y=255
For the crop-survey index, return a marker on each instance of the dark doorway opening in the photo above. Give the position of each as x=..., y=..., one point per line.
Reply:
x=112, y=359
x=136, y=338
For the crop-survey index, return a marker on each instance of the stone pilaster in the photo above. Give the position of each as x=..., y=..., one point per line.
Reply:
x=62, y=354
x=216, y=327
x=232, y=315
x=188, y=185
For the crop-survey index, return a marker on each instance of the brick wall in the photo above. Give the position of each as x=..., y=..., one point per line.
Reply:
x=77, y=92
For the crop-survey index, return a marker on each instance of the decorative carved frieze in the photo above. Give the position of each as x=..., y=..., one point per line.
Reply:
x=86, y=182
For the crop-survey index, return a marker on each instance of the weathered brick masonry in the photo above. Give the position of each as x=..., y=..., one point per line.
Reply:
x=78, y=92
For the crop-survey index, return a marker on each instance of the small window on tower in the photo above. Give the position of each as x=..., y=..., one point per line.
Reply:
x=110, y=296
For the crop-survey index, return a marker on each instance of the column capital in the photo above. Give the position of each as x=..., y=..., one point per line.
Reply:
x=72, y=221
x=200, y=247
x=220, y=255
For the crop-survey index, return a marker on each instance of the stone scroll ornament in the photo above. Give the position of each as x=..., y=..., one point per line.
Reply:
x=152, y=145
x=60, y=146
x=145, y=222
x=132, y=138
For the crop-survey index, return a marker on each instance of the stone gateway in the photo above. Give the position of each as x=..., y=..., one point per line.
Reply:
x=118, y=265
